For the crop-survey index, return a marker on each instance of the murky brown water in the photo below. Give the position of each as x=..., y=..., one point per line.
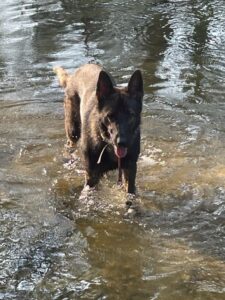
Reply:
x=59, y=242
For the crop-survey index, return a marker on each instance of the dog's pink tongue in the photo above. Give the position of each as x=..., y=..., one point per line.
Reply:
x=120, y=151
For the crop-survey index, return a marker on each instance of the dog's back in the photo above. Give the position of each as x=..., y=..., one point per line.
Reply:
x=79, y=88
x=82, y=81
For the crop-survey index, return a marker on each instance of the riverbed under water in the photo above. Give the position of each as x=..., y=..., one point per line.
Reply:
x=57, y=241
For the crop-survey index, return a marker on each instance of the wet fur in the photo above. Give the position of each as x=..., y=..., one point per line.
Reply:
x=98, y=114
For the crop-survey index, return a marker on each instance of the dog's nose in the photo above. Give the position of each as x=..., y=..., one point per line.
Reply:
x=121, y=141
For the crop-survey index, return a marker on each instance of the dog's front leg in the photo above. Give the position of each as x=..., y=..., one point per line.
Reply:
x=91, y=178
x=92, y=174
x=130, y=176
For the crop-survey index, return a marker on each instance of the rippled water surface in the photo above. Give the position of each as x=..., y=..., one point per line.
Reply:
x=58, y=241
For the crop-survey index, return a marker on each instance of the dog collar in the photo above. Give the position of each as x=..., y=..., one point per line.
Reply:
x=100, y=156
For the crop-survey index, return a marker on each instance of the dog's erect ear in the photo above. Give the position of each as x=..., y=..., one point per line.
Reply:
x=104, y=86
x=135, y=85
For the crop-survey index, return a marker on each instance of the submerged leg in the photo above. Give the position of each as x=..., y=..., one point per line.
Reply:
x=130, y=176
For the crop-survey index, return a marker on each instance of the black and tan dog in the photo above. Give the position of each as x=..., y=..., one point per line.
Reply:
x=105, y=118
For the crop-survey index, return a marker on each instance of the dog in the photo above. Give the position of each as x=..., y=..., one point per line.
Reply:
x=106, y=119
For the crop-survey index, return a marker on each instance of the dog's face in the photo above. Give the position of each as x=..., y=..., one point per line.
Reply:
x=119, y=111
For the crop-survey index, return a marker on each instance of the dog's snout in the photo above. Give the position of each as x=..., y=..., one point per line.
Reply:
x=121, y=141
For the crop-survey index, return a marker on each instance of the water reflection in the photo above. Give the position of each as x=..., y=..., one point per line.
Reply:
x=60, y=243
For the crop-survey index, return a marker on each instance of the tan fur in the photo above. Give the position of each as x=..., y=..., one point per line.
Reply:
x=80, y=84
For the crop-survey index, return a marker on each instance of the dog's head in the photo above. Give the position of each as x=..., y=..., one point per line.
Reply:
x=119, y=110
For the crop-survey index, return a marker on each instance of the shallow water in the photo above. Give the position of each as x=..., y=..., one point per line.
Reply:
x=59, y=242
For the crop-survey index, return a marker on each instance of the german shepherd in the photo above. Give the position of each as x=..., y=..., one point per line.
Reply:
x=106, y=119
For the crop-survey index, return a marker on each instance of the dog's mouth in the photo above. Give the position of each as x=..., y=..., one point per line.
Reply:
x=120, y=151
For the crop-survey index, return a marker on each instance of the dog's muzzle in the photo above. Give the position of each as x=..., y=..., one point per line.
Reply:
x=120, y=148
x=120, y=145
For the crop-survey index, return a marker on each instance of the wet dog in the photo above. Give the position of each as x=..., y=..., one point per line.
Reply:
x=106, y=119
